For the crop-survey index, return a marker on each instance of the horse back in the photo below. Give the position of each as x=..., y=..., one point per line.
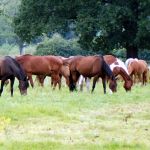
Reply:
x=143, y=64
x=110, y=59
x=137, y=66
x=86, y=65
x=40, y=64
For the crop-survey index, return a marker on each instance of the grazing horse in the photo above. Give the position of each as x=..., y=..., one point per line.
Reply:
x=138, y=68
x=9, y=69
x=41, y=65
x=90, y=66
x=118, y=68
x=64, y=71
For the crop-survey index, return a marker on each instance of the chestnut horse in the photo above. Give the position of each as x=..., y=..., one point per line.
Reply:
x=90, y=66
x=41, y=65
x=118, y=68
x=9, y=69
x=138, y=68
x=64, y=71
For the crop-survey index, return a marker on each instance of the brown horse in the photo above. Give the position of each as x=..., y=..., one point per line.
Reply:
x=138, y=68
x=90, y=66
x=41, y=65
x=9, y=69
x=64, y=71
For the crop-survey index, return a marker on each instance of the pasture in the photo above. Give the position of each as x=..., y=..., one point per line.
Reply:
x=60, y=120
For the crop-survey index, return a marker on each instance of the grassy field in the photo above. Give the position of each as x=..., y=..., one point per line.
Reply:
x=60, y=120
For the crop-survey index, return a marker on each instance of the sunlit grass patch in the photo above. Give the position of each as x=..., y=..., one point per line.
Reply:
x=4, y=122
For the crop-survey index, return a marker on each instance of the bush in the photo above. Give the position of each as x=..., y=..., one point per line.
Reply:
x=120, y=53
x=59, y=46
x=144, y=54
x=7, y=49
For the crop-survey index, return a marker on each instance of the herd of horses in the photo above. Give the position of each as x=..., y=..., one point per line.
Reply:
x=74, y=69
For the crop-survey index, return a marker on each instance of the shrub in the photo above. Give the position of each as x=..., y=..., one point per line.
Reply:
x=57, y=45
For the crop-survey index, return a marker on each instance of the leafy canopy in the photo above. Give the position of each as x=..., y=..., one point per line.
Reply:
x=100, y=24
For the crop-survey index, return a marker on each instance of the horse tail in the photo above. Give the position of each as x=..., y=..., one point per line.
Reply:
x=107, y=69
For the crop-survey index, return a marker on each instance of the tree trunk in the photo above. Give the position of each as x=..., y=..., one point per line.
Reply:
x=21, y=49
x=132, y=52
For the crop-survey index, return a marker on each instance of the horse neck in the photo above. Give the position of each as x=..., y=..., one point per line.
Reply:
x=18, y=72
x=125, y=76
x=18, y=75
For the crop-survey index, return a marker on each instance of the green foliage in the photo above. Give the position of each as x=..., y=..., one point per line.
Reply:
x=57, y=45
x=8, y=9
x=101, y=25
x=144, y=54
x=7, y=49
x=120, y=53
x=11, y=49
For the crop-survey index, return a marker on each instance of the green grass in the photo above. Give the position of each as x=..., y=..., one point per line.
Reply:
x=60, y=120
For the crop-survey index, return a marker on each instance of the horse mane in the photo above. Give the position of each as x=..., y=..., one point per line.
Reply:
x=124, y=74
x=107, y=69
x=122, y=65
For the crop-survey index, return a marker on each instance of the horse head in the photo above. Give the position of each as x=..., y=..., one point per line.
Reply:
x=23, y=85
x=128, y=84
x=113, y=84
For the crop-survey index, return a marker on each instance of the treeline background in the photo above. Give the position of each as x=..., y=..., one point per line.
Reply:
x=54, y=44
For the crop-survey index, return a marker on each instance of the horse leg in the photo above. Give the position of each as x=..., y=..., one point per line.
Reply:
x=80, y=82
x=2, y=85
x=104, y=84
x=12, y=79
x=94, y=82
x=52, y=82
x=42, y=78
x=73, y=78
x=76, y=78
x=59, y=82
x=67, y=81
x=30, y=79
x=133, y=76
x=144, y=78
x=55, y=79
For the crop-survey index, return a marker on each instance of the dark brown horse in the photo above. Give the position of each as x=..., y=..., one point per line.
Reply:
x=90, y=66
x=9, y=69
x=41, y=65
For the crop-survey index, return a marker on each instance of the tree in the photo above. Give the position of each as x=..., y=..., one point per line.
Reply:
x=100, y=24
x=8, y=9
